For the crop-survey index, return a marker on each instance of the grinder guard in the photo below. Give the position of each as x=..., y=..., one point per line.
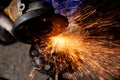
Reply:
x=38, y=21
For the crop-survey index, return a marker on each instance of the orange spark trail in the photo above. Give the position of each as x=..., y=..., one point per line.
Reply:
x=67, y=45
x=91, y=43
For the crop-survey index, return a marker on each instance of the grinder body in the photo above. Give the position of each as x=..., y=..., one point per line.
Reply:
x=35, y=20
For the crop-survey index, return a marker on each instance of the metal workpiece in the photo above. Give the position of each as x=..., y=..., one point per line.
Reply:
x=50, y=63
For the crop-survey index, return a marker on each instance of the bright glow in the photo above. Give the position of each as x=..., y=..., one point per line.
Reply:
x=69, y=46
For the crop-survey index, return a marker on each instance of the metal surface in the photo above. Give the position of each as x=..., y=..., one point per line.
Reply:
x=49, y=63
x=15, y=63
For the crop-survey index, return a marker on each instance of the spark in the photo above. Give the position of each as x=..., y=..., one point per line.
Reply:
x=32, y=74
x=67, y=45
x=91, y=42
x=92, y=59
